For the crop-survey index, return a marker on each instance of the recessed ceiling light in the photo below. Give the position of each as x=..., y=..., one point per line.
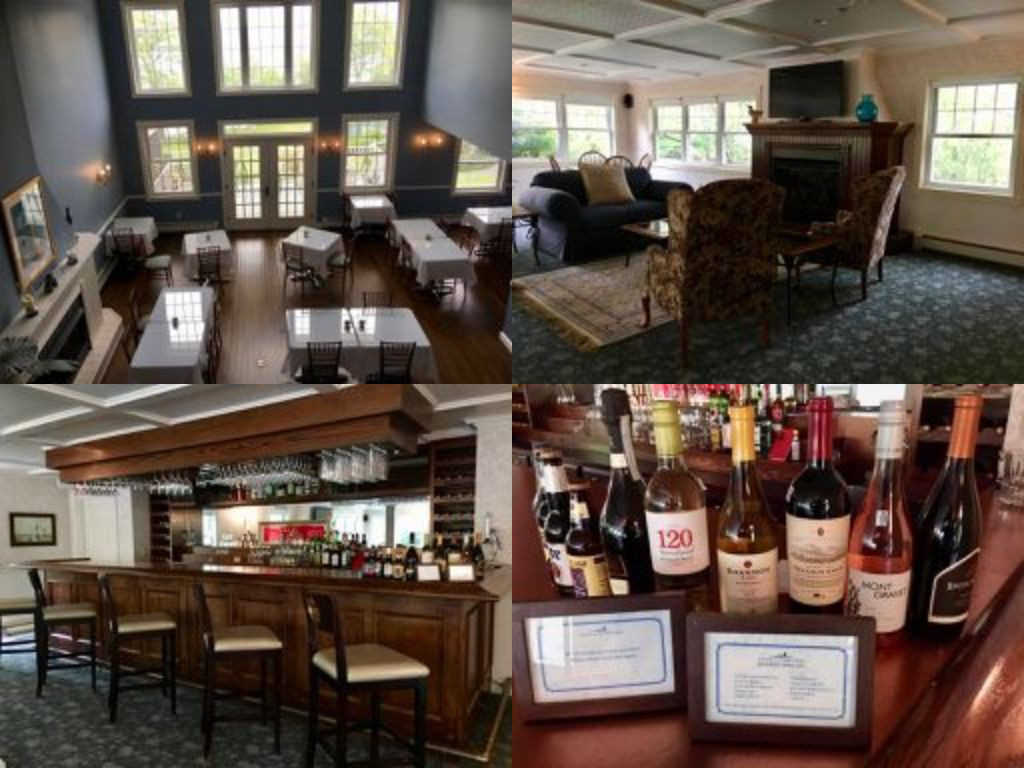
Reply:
x=821, y=22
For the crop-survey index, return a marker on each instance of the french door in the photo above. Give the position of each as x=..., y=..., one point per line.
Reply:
x=268, y=183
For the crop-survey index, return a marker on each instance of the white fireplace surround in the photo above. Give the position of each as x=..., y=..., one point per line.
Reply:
x=74, y=281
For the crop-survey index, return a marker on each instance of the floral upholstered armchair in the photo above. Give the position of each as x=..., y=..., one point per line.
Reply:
x=861, y=234
x=719, y=263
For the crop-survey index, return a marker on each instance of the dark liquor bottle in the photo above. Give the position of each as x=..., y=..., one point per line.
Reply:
x=441, y=555
x=427, y=553
x=479, y=559
x=947, y=534
x=676, y=508
x=817, y=522
x=623, y=529
x=412, y=559
x=587, y=563
x=540, y=453
x=748, y=553
x=557, y=529
x=778, y=412
x=879, y=558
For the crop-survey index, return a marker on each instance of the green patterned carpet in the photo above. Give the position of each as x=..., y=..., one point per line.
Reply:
x=68, y=728
x=935, y=318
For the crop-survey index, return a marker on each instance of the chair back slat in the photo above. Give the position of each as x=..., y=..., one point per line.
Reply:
x=107, y=601
x=396, y=361
x=377, y=299
x=620, y=160
x=209, y=265
x=324, y=360
x=127, y=243
x=37, y=588
x=205, y=623
x=324, y=617
x=591, y=157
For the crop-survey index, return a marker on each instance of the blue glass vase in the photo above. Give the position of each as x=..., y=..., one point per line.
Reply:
x=867, y=110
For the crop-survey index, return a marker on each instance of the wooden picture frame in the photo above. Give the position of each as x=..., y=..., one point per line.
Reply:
x=858, y=735
x=674, y=604
x=22, y=210
x=37, y=529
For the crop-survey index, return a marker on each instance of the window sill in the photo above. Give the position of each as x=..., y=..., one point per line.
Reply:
x=186, y=94
x=307, y=90
x=993, y=196
x=713, y=167
x=476, y=192
x=373, y=87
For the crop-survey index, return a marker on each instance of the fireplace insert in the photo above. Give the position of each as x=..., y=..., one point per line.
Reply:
x=69, y=342
x=812, y=179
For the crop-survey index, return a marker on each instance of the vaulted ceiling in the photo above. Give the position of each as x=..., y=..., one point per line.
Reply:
x=637, y=40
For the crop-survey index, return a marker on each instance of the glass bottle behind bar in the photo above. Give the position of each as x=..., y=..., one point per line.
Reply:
x=588, y=565
x=547, y=459
x=556, y=527
x=748, y=554
x=676, y=509
x=623, y=529
x=947, y=534
x=879, y=559
x=817, y=522
x=412, y=559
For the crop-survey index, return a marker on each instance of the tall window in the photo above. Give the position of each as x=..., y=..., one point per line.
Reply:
x=534, y=128
x=265, y=45
x=368, y=155
x=155, y=33
x=702, y=132
x=477, y=170
x=736, y=139
x=589, y=127
x=668, y=131
x=972, y=141
x=376, y=30
x=168, y=160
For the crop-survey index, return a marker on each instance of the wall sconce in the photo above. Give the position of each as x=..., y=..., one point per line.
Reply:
x=437, y=139
x=207, y=148
x=103, y=175
x=429, y=140
x=330, y=146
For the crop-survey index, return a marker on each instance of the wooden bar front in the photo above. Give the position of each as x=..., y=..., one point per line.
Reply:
x=447, y=626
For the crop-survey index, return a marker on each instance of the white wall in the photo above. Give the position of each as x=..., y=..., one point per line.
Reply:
x=111, y=529
x=29, y=494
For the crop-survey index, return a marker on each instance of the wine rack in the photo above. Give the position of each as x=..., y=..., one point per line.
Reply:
x=453, y=486
x=159, y=529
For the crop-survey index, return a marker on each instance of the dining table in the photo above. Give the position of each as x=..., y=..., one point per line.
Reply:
x=436, y=259
x=318, y=247
x=141, y=226
x=173, y=344
x=369, y=210
x=216, y=238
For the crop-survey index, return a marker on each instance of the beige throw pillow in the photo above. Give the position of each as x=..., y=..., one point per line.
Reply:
x=606, y=184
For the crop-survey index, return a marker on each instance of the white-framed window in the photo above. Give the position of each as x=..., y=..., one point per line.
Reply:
x=710, y=131
x=477, y=170
x=565, y=128
x=157, y=52
x=535, y=128
x=166, y=149
x=266, y=45
x=589, y=127
x=368, y=154
x=973, y=138
x=375, y=43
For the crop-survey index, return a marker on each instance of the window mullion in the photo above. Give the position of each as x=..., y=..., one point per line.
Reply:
x=288, y=32
x=243, y=26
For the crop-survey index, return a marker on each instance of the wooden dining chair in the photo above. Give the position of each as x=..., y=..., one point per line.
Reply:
x=209, y=267
x=323, y=364
x=553, y=162
x=295, y=267
x=131, y=248
x=646, y=161
x=592, y=157
x=377, y=299
x=619, y=160
x=395, y=363
x=135, y=322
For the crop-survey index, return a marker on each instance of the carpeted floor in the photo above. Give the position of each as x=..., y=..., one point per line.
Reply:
x=68, y=728
x=934, y=318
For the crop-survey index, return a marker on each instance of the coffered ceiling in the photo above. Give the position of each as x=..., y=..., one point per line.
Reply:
x=34, y=418
x=637, y=40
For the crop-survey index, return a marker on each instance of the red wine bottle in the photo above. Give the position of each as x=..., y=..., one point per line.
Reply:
x=947, y=535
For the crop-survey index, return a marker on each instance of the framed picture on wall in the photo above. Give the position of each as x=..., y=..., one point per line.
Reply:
x=31, y=529
x=28, y=231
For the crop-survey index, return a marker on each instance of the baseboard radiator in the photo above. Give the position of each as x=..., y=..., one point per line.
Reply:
x=996, y=254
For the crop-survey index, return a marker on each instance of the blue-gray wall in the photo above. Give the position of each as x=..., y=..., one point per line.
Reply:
x=56, y=119
x=423, y=177
x=469, y=72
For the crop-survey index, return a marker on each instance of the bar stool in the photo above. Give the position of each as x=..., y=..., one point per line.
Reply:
x=138, y=626
x=352, y=669
x=17, y=617
x=63, y=615
x=231, y=642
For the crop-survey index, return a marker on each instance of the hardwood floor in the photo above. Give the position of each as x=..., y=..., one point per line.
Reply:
x=463, y=328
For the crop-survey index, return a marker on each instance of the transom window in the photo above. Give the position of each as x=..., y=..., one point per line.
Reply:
x=155, y=35
x=168, y=161
x=266, y=46
x=477, y=170
x=702, y=132
x=972, y=141
x=367, y=160
x=376, y=33
x=589, y=128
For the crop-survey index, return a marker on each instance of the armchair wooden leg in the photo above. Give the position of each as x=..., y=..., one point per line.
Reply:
x=864, y=284
x=646, y=302
x=879, y=270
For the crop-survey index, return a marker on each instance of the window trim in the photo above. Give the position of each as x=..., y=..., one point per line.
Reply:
x=562, y=125
x=1010, y=192
x=403, y=27
x=141, y=127
x=613, y=138
x=246, y=90
x=127, y=6
x=392, y=153
x=719, y=162
x=497, y=189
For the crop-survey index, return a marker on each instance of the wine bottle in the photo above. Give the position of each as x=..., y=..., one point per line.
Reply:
x=879, y=558
x=623, y=527
x=947, y=534
x=557, y=525
x=748, y=553
x=587, y=563
x=543, y=455
x=412, y=559
x=676, y=509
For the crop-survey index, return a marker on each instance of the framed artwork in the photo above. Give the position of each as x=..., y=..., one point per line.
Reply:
x=28, y=231
x=30, y=529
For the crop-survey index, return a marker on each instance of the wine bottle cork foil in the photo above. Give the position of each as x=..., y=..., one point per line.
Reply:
x=665, y=417
x=966, y=415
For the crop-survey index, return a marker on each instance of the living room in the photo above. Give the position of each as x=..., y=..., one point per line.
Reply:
x=831, y=186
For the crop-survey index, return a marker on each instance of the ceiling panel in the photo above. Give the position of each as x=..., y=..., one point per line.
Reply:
x=577, y=65
x=956, y=8
x=798, y=18
x=640, y=54
x=99, y=425
x=519, y=54
x=608, y=16
x=715, y=40
x=544, y=38
x=24, y=404
x=197, y=402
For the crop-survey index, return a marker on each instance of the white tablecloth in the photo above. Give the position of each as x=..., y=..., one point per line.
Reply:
x=216, y=238
x=144, y=227
x=318, y=246
x=439, y=259
x=369, y=209
x=487, y=221
x=173, y=353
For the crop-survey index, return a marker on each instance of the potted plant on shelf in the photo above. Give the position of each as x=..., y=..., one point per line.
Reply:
x=20, y=363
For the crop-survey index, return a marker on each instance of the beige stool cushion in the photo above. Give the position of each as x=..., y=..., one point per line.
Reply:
x=233, y=639
x=371, y=663
x=16, y=604
x=69, y=612
x=17, y=625
x=144, y=622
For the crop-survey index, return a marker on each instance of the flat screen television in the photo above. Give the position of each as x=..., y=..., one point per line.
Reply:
x=807, y=91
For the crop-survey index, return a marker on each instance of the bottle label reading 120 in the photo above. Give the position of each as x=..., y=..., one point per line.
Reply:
x=679, y=541
x=951, y=591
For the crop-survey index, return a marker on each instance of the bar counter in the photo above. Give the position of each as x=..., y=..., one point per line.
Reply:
x=940, y=705
x=447, y=626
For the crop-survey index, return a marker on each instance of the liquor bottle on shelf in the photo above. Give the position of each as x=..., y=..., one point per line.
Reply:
x=478, y=558
x=398, y=564
x=427, y=553
x=778, y=412
x=676, y=509
x=880, y=552
x=412, y=559
x=588, y=567
x=947, y=534
x=623, y=529
x=539, y=453
x=554, y=487
x=817, y=522
x=748, y=554
x=441, y=555
x=727, y=426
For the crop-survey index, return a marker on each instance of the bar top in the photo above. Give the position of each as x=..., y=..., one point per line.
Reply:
x=496, y=583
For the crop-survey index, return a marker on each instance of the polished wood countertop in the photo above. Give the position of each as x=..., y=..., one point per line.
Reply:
x=497, y=582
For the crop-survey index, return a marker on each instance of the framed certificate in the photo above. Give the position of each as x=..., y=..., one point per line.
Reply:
x=578, y=658
x=781, y=678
